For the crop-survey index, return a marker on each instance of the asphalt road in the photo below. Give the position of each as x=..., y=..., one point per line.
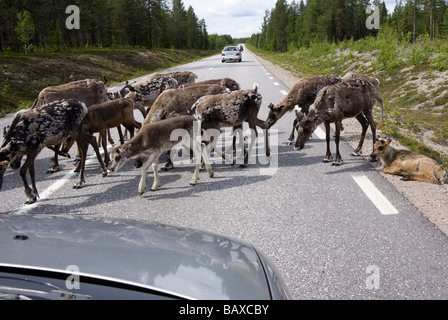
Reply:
x=333, y=232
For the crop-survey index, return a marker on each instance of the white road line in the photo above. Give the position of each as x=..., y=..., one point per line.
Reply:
x=284, y=92
x=211, y=69
x=276, y=84
x=52, y=189
x=320, y=133
x=378, y=199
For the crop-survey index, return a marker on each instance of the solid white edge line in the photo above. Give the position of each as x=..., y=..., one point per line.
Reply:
x=377, y=198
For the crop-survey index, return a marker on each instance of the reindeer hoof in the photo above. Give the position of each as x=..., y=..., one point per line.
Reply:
x=288, y=142
x=104, y=174
x=337, y=164
x=53, y=170
x=31, y=201
x=357, y=154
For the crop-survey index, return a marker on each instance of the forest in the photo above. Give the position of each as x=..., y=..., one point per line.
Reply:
x=289, y=27
x=40, y=25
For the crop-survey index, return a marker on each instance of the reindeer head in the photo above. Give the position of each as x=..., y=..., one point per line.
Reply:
x=118, y=157
x=306, y=127
x=380, y=148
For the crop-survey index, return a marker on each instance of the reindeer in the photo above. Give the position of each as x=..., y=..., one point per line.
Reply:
x=231, y=110
x=348, y=99
x=43, y=126
x=101, y=117
x=407, y=164
x=300, y=99
x=176, y=102
x=155, y=138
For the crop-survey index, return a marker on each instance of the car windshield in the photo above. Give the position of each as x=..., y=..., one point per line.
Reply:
x=231, y=49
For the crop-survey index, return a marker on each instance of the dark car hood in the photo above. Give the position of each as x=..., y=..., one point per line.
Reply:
x=191, y=263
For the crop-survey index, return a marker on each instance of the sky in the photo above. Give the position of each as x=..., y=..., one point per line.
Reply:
x=239, y=18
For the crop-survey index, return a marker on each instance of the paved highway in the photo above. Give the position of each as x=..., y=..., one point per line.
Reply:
x=333, y=232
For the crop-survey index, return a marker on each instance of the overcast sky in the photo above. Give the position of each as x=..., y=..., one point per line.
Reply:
x=239, y=18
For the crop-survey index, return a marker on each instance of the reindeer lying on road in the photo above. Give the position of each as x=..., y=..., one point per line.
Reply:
x=410, y=165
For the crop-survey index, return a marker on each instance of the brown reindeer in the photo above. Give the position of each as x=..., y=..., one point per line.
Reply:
x=348, y=99
x=301, y=95
x=410, y=165
x=155, y=138
x=232, y=110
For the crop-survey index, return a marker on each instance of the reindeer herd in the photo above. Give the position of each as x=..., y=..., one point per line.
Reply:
x=74, y=112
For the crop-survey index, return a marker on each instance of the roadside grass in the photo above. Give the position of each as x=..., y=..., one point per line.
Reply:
x=22, y=77
x=414, y=83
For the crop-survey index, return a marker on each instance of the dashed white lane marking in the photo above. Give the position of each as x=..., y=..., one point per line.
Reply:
x=320, y=133
x=211, y=69
x=276, y=84
x=378, y=199
x=283, y=92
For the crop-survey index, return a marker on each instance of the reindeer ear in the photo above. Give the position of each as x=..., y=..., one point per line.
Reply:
x=271, y=106
x=389, y=140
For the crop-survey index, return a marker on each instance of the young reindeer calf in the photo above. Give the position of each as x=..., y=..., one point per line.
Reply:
x=410, y=165
x=155, y=138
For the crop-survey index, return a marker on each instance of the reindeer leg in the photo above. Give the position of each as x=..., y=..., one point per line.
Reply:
x=30, y=193
x=82, y=149
x=142, y=184
x=328, y=155
x=253, y=140
x=291, y=136
x=120, y=133
x=197, y=161
x=104, y=144
x=207, y=162
x=372, y=123
x=55, y=166
x=362, y=120
x=338, y=160
x=155, y=169
x=264, y=126
x=91, y=140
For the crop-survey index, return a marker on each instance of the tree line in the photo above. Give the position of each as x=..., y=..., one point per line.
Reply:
x=298, y=24
x=40, y=25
